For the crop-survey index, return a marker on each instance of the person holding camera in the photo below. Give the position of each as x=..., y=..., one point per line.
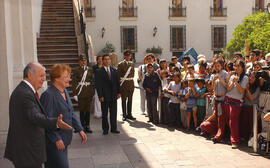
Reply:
x=264, y=80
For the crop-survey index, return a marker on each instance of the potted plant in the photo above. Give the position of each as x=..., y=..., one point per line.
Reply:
x=155, y=50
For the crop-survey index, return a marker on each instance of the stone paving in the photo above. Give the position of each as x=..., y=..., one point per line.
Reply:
x=144, y=145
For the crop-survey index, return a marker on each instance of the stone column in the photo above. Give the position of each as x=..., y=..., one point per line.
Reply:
x=5, y=70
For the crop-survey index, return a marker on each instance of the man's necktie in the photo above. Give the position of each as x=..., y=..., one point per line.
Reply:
x=37, y=95
x=109, y=73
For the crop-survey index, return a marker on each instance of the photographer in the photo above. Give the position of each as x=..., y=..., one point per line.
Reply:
x=264, y=79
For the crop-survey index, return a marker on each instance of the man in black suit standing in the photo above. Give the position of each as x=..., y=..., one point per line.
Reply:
x=25, y=146
x=108, y=89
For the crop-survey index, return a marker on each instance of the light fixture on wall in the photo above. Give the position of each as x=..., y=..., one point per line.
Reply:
x=268, y=7
x=102, y=32
x=154, y=31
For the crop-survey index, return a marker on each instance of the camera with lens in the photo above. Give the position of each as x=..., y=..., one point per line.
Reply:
x=263, y=72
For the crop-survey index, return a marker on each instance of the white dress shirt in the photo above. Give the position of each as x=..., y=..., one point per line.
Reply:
x=30, y=85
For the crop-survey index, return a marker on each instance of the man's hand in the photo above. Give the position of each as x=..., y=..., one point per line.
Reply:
x=118, y=96
x=60, y=145
x=83, y=136
x=61, y=124
x=148, y=90
x=101, y=99
x=235, y=79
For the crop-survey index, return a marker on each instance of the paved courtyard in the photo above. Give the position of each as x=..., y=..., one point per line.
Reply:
x=143, y=145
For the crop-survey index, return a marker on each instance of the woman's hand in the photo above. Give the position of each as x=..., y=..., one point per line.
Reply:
x=60, y=145
x=83, y=136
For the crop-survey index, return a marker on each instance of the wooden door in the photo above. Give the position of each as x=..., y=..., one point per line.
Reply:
x=218, y=5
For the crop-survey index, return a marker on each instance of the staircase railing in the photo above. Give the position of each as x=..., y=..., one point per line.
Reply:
x=83, y=28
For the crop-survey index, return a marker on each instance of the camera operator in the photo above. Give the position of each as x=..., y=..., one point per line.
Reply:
x=264, y=78
x=264, y=97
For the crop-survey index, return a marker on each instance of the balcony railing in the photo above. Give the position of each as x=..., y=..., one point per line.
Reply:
x=128, y=12
x=254, y=10
x=218, y=12
x=90, y=12
x=177, y=12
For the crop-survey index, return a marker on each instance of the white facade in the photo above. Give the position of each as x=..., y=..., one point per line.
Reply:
x=153, y=13
x=19, y=24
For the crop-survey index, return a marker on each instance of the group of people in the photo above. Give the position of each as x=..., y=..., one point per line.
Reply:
x=206, y=97
x=40, y=128
x=213, y=98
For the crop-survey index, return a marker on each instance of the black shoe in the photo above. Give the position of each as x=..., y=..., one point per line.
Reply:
x=131, y=118
x=105, y=132
x=214, y=140
x=88, y=130
x=124, y=118
x=198, y=129
x=149, y=121
x=115, y=132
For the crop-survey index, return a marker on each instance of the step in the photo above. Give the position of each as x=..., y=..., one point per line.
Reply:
x=57, y=13
x=57, y=28
x=64, y=30
x=58, y=61
x=51, y=9
x=56, y=34
x=51, y=42
x=57, y=21
x=58, y=55
x=58, y=38
x=55, y=6
x=57, y=3
x=52, y=24
x=54, y=51
x=54, y=10
x=57, y=17
x=59, y=46
x=50, y=15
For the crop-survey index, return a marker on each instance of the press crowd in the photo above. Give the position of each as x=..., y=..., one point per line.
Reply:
x=213, y=98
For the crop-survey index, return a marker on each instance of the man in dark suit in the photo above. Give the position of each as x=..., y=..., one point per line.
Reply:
x=25, y=146
x=108, y=89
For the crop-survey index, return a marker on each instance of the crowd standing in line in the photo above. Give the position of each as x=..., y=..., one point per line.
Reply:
x=213, y=98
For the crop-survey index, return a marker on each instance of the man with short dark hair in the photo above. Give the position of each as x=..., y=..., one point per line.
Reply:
x=152, y=85
x=83, y=87
x=126, y=71
x=108, y=89
x=25, y=146
x=177, y=64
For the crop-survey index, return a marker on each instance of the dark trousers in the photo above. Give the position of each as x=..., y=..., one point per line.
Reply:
x=55, y=157
x=106, y=107
x=39, y=166
x=175, y=115
x=127, y=105
x=152, y=108
x=85, y=118
x=165, y=110
x=201, y=112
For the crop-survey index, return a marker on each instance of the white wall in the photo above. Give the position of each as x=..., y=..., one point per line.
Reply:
x=153, y=13
x=18, y=47
x=36, y=14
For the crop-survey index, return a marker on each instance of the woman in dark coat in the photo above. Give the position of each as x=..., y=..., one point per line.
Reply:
x=56, y=101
